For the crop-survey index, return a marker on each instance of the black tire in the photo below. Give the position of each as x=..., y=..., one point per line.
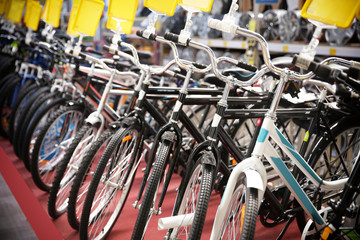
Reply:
x=240, y=223
x=118, y=162
x=65, y=174
x=83, y=177
x=25, y=96
x=7, y=66
x=328, y=167
x=6, y=97
x=17, y=123
x=148, y=200
x=195, y=200
x=51, y=144
x=36, y=119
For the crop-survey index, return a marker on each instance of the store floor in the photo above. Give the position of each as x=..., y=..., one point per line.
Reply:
x=29, y=208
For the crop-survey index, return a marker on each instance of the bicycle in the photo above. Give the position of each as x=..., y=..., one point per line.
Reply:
x=247, y=194
x=130, y=131
x=91, y=131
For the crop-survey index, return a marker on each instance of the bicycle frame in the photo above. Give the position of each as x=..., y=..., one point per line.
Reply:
x=254, y=165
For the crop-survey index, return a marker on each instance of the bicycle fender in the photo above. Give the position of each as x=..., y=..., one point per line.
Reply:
x=130, y=121
x=207, y=157
x=254, y=179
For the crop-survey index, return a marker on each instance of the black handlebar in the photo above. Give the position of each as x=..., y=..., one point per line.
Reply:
x=152, y=36
x=175, y=38
x=324, y=72
x=331, y=75
x=91, y=50
x=246, y=66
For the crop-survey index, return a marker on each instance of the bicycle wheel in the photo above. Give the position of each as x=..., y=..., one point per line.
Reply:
x=52, y=142
x=36, y=119
x=240, y=218
x=18, y=116
x=81, y=181
x=110, y=185
x=6, y=97
x=195, y=201
x=149, y=198
x=65, y=173
x=325, y=159
x=27, y=95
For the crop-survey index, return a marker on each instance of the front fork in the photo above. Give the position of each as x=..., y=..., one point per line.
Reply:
x=170, y=133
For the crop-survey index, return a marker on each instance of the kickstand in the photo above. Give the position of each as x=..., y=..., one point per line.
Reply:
x=291, y=218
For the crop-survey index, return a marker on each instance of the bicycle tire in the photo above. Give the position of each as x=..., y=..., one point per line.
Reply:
x=28, y=137
x=149, y=196
x=18, y=115
x=107, y=213
x=241, y=215
x=346, y=127
x=50, y=159
x=197, y=193
x=78, y=188
x=59, y=192
x=6, y=94
x=25, y=95
x=42, y=110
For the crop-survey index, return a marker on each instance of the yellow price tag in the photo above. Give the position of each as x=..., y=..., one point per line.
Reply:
x=332, y=51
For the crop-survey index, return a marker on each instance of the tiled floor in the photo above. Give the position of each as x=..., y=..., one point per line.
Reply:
x=13, y=223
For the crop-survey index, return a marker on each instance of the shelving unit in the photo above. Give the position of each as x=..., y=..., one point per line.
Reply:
x=279, y=47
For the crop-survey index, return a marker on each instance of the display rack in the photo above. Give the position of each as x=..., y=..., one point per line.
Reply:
x=322, y=49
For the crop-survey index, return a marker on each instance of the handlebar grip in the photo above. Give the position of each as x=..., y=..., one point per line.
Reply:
x=354, y=72
x=152, y=36
x=246, y=66
x=139, y=33
x=322, y=71
x=172, y=37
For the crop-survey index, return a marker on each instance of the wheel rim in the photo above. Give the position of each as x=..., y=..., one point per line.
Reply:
x=329, y=167
x=235, y=216
x=37, y=130
x=112, y=189
x=71, y=169
x=188, y=204
x=54, y=144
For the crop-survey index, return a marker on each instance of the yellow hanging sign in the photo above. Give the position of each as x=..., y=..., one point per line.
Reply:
x=202, y=5
x=88, y=16
x=162, y=6
x=15, y=10
x=126, y=26
x=71, y=24
x=33, y=17
x=54, y=11
x=332, y=12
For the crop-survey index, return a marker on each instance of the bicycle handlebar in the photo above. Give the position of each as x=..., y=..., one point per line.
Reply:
x=106, y=67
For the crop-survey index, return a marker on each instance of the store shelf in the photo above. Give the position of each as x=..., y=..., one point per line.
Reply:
x=322, y=49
